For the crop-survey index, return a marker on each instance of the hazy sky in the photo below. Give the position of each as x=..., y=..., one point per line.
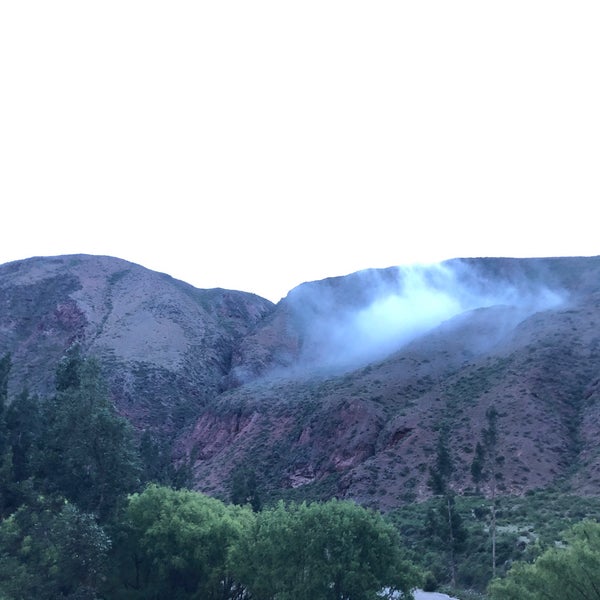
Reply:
x=256, y=145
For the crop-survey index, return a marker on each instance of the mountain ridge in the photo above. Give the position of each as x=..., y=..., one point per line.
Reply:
x=342, y=387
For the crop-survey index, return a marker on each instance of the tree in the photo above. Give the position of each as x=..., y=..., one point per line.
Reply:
x=446, y=529
x=23, y=424
x=157, y=464
x=244, y=488
x=334, y=550
x=7, y=491
x=50, y=551
x=477, y=466
x=5, y=366
x=176, y=543
x=89, y=455
x=155, y=459
x=485, y=468
x=571, y=572
x=440, y=473
x=22, y=428
x=450, y=529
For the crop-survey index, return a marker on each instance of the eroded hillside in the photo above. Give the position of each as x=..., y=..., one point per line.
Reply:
x=344, y=387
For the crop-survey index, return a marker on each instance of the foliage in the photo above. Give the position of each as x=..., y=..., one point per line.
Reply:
x=5, y=365
x=157, y=465
x=244, y=488
x=20, y=429
x=175, y=544
x=445, y=525
x=441, y=471
x=6, y=477
x=51, y=551
x=69, y=530
x=332, y=550
x=181, y=544
x=24, y=426
x=89, y=455
x=477, y=466
x=527, y=526
x=571, y=572
x=485, y=466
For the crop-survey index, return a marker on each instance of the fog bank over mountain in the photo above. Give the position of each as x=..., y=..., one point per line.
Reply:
x=397, y=305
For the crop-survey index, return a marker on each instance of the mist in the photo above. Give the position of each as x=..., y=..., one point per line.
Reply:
x=364, y=317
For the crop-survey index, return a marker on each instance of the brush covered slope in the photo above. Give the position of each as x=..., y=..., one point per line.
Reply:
x=346, y=387
x=165, y=346
x=343, y=388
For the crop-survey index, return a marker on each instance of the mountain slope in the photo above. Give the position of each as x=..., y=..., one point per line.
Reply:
x=368, y=428
x=343, y=387
x=165, y=345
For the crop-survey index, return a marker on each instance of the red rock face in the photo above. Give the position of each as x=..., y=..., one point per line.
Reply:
x=295, y=392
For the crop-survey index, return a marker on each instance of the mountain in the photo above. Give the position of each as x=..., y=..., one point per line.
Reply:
x=165, y=346
x=348, y=385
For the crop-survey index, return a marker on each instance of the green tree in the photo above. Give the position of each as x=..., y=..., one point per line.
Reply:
x=478, y=465
x=571, y=572
x=175, y=544
x=7, y=492
x=449, y=528
x=485, y=467
x=51, y=551
x=68, y=370
x=244, y=488
x=441, y=471
x=88, y=451
x=335, y=550
x=157, y=464
x=24, y=426
x=5, y=366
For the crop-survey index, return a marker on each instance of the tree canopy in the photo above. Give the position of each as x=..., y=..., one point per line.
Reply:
x=176, y=543
x=75, y=521
x=50, y=551
x=331, y=550
x=89, y=453
x=570, y=571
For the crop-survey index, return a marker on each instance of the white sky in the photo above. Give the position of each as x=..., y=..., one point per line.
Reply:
x=255, y=145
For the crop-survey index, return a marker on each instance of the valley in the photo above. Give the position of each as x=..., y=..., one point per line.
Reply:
x=362, y=388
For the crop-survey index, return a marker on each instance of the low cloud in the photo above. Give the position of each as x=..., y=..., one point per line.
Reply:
x=366, y=316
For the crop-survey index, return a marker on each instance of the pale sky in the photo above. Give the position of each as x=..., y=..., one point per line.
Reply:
x=255, y=145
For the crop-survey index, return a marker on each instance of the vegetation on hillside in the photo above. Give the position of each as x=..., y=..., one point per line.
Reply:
x=526, y=527
x=570, y=570
x=90, y=510
x=81, y=519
